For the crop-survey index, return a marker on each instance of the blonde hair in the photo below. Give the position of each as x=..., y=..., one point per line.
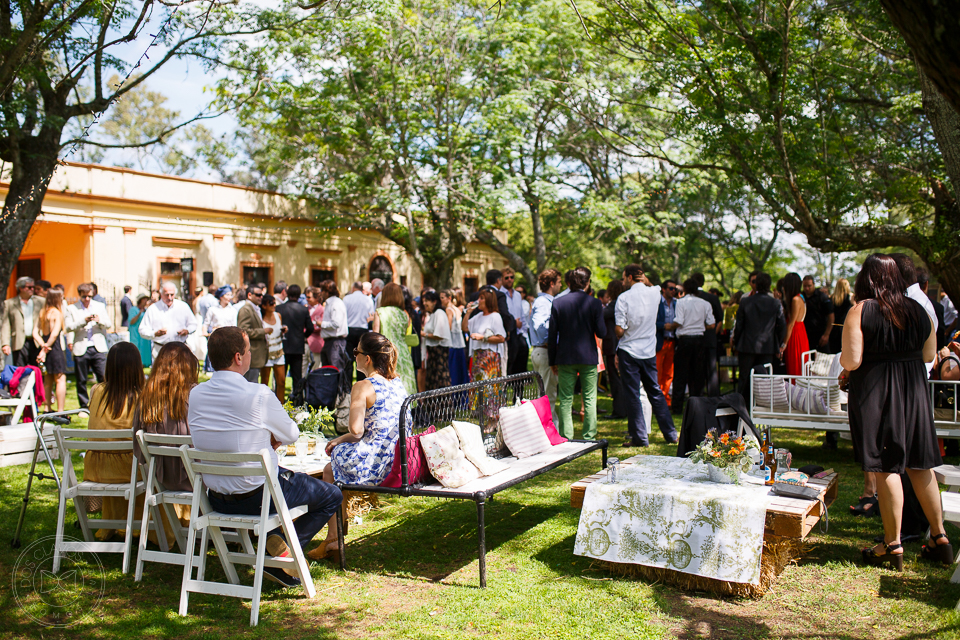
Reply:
x=841, y=291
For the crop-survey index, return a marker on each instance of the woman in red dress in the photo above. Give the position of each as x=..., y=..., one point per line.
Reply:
x=794, y=308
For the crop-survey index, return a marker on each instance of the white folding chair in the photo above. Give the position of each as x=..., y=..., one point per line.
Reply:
x=26, y=399
x=155, y=447
x=69, y=440
x=204, y=519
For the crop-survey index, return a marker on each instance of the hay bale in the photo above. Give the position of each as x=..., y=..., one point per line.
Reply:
x=359, y=503
x=777, y=554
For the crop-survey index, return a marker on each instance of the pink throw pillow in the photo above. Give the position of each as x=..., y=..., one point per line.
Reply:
x=542, y=405
x=417, y=470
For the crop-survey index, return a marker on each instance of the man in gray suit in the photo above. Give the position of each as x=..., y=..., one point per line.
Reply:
x=19, y=315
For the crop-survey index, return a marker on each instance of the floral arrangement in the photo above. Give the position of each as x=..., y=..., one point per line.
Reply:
x=310, y=421
x=725, y=451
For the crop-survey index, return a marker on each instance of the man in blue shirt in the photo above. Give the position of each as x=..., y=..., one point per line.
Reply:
x=666, y=340
x=549, y=282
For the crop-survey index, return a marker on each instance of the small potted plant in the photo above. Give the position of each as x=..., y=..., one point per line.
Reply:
x=310, y=422
x=725, y=456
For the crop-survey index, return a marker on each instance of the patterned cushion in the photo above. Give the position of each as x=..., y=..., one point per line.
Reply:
x=771, y=393
x=471, y=443
x=522, y=431
x=417, y=471
x=542, y=405
x=446, y=460
x=808, y=399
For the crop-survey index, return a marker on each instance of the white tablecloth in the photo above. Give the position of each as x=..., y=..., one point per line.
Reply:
x=664, y=512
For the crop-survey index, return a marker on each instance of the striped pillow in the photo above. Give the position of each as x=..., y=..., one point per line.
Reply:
x=522, y=430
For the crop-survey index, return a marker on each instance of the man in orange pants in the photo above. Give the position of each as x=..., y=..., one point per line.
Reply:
x=666, y=340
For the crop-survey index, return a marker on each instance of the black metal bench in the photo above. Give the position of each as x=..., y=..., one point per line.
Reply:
x=479, y=403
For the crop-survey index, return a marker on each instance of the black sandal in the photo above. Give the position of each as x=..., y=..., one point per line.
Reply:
x=934, y=552
x=895, y=560
x=868, y=507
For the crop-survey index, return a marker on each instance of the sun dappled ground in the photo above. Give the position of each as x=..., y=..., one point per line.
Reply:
x=413, y=574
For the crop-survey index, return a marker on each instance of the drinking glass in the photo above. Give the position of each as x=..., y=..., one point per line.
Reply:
x=301, y=449
x=613, y=470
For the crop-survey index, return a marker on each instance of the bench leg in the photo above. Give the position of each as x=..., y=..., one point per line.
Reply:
x=340, y=540
x=481, y=531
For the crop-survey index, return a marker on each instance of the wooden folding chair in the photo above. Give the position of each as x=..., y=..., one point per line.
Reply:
x=204, y=519
x=69, y=440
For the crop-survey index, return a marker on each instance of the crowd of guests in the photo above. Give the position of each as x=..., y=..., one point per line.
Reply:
x=658, y=341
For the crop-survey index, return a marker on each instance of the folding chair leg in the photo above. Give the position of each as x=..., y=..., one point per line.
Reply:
x=128, y=535
x=204, y=544
x=80, y=506
x=187, y=570
x=221, y=546
x=246, y=542
x=58, y=541
x=258, y=578
x=956, y=574
x=142, y=544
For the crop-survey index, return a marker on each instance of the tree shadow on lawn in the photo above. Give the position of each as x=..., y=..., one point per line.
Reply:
x=437, y=542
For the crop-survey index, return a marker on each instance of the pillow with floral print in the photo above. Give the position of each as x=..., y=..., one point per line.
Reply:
x=446, y=460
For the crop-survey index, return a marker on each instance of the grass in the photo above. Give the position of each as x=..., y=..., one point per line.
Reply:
x=413, y=574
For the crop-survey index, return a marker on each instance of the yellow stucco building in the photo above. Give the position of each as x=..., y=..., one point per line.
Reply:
x=117, y=227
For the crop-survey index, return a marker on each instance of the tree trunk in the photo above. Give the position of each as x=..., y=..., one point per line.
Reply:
x=943, y=249
x=930, y=28
x=539, y=242
x=512, y=256
x=24, y=201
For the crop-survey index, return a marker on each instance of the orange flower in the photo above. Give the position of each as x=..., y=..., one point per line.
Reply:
x=724, y=438
x=715, y=454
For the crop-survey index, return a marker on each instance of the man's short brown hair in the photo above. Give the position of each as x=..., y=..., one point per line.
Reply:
x=223, y=344
x=547, y=278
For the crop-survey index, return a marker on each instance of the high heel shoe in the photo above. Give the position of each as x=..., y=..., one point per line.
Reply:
x=894, y=559
x=934, y=552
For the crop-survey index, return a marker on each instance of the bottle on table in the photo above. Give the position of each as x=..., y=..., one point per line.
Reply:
x=764, y=469
x=770, y=459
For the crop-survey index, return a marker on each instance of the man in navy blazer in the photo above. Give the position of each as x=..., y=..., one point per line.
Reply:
x=575, y=322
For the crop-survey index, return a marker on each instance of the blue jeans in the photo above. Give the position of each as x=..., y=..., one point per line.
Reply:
x=321, y=497
x=633, y=373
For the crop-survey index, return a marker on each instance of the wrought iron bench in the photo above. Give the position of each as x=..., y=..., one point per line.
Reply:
x=477, y=402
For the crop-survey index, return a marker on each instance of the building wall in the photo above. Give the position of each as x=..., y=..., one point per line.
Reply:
x=116, y=226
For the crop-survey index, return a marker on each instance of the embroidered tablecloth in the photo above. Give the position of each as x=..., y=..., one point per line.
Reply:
x=665, y=512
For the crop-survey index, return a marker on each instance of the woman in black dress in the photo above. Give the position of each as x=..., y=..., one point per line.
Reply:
x=46, y=333
x=841, y=306
x=886, y=339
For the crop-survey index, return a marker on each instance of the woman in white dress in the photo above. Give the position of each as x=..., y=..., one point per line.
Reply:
x=275, y=361
x=223, y=315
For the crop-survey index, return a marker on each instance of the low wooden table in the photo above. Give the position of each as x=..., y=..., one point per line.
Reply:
x=787, y=518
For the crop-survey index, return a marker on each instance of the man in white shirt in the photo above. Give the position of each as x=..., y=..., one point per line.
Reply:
x=334, y=330
x=693, y=317
x=376, y=286
x=167, y=320
x=549, y=281
x=360, y=311
x=908, y=271
x=636, y=327
x=230, y=415
x=280, y=292
x=89, y=321
x=207, y=301
x=949, y=312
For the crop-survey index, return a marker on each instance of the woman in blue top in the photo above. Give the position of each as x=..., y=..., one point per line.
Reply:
x=364, y=455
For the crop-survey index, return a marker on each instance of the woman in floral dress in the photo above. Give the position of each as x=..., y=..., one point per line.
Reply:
x=364, y=455
x=392, y=321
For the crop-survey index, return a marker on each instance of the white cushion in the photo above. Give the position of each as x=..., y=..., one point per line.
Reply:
x=446, y=460
x=522, y=430
x=471, y=443
x=821, y=366
x=771, y=393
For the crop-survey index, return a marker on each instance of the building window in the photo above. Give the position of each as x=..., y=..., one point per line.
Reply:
x=403, y=281
x=470, y=286
x=257, y=273
x=319, y=274
x=30, y=268
x=180, y=273
x=380, y=267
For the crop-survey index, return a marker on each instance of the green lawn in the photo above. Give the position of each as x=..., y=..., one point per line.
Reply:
x=413, y=574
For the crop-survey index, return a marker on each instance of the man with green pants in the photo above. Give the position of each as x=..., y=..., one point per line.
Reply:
x=576, y=321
